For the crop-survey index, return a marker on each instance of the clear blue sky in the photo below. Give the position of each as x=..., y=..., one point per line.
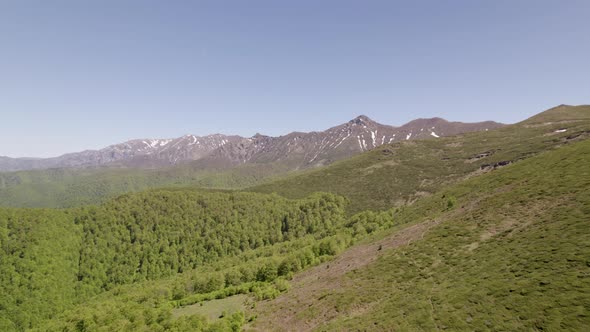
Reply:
x=80, y=75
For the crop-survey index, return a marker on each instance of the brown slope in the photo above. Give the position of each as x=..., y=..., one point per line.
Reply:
x=308, y=286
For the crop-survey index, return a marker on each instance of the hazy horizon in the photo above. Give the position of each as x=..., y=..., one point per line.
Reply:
x=79, y=76
x=249, y=135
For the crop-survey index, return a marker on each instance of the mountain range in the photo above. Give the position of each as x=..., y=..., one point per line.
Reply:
x=298, y=150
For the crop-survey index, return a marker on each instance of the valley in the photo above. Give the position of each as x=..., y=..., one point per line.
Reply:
x=294, y=166
x=484, y=230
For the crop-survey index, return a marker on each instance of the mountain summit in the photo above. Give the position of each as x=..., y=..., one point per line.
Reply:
x=362, y=120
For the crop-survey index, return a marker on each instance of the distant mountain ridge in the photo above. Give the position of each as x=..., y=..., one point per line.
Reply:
x=297, y=150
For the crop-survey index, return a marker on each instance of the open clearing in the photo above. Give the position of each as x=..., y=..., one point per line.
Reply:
x=213, y=309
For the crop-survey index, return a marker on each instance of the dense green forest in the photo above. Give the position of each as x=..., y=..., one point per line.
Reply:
x=52, y=259
x=151, y=235
x=39, y=259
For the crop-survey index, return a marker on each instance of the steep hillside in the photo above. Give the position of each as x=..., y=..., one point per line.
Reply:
x=400, y=173
x=504, y=251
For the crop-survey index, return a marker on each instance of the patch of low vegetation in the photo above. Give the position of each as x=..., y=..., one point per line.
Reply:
x=214, y=309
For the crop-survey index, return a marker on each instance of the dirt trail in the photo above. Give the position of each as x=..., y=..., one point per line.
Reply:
x=281, y=314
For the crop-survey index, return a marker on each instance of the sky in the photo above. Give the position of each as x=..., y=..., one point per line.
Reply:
x=78, y=75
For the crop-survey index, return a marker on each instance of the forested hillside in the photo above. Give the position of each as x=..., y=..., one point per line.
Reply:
x=151, y=235
x=54, y=259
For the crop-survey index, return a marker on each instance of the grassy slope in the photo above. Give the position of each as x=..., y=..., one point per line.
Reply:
x=399, y=173
x=511, y=255
x=215, y=308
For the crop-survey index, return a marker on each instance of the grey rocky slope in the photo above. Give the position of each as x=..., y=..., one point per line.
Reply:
x=297, y=150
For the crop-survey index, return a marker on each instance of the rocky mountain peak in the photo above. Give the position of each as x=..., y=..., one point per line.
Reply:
x=362, y=120
x=258, y=136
